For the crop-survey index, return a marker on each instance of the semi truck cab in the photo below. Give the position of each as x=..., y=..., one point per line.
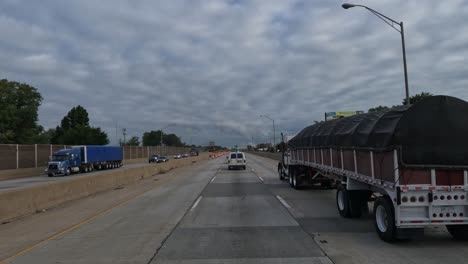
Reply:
x=64, y=162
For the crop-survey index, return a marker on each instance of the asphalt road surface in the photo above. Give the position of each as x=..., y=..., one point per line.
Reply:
x=211, y=215
x=7, y=185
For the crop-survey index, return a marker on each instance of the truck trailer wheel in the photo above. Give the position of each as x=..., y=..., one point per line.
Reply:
x=291, y=175
x=280, y=172
x=384, y=219
x=342, y=201
x=297, y=181
x=459, y=232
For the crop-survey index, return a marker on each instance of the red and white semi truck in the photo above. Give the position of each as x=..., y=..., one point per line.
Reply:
x=411, y=161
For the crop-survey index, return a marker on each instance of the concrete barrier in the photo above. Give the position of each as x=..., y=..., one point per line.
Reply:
x=20, y=173
x=19, y=202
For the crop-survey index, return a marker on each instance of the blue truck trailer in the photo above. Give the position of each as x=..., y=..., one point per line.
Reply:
x=84, y=159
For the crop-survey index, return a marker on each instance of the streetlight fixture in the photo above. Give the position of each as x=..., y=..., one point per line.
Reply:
x=162, y=134
x=391, y=23
x=274, y=134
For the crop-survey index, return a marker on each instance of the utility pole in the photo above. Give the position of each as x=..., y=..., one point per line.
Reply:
x=124, y=132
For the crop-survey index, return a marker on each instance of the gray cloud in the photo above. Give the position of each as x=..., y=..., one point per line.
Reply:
x=213, y=67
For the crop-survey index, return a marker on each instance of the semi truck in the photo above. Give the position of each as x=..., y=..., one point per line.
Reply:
x=410, y=161
x=84, y=159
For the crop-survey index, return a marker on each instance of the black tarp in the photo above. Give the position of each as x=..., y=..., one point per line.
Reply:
x=433, y=131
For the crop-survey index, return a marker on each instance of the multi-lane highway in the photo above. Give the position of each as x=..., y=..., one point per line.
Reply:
x=207, y=214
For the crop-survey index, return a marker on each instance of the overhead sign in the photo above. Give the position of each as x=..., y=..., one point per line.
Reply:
x=340, y=114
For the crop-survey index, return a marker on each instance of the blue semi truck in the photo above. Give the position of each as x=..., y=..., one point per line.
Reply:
x=84, y=159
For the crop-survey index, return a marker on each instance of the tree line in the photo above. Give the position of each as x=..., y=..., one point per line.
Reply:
x=19, y=104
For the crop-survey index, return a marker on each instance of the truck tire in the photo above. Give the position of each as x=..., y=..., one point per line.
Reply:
x=297, y=182
x=384, y=219
x=291, y=175
x=280, y=172
x=459, y=232
x=342, y=201
x=67, y=172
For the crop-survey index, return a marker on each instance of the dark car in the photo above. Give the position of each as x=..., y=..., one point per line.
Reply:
x=153, y=159
x=193, y=152
x=162, y=159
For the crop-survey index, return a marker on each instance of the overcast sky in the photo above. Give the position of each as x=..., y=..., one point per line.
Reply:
x=213, y=67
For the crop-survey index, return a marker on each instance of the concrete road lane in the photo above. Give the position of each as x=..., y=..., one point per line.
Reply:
x=130, y=233
x=7, y=185
x=237, y=219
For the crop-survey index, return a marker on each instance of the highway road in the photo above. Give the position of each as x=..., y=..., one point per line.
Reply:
x=207, y=214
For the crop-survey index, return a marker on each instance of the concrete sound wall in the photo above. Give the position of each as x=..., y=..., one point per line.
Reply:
x=20, y=202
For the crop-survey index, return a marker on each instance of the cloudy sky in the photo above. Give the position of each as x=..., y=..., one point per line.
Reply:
x=213, y=67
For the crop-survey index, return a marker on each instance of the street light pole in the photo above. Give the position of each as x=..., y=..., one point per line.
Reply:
x=391, y=23
x=274, y=132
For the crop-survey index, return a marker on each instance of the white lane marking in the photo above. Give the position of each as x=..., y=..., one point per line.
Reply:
x=283, y=201
x=196, y=203
x=213, y=179
x=261, y=178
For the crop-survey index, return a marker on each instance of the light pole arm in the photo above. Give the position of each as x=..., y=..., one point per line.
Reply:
x=391, y=23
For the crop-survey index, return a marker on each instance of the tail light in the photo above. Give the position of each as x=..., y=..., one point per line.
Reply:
x=413, y=199
x=421, y=199
x=404, y=199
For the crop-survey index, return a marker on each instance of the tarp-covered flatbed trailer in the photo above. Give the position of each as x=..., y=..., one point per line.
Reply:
x=413, y=159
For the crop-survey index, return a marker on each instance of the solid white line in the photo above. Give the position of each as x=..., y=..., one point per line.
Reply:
x=196, y=203
x=260, y=178
x=283, y=201
x=213, y=179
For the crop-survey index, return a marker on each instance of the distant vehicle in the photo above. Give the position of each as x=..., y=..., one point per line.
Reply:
x=185, y=155
x=236, y=160
x=162, y=159
x=153, y=159
x=193, y=152
x=84, y=159
x=177, y=156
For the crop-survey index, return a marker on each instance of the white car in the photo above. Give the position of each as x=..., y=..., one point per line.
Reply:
x=236, y=160
x=177, y=156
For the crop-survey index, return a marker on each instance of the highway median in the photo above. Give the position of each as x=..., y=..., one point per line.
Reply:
x=24, y=201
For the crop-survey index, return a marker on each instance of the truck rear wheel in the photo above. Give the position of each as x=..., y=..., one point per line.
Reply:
x=342, y=201
x=459, y=232
x=384, y=219
x=280, y=172
x=297, y=181
x=291, y=175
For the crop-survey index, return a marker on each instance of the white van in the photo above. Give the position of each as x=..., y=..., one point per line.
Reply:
x=236, y=160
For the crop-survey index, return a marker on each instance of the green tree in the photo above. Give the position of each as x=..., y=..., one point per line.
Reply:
x=172, y=140
x=75, y=130
x=44, y=136
x=77, y=116
x=19, y=103
x=417, y=97
x=378, y=108
x=152, y=138
x=133, y=141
